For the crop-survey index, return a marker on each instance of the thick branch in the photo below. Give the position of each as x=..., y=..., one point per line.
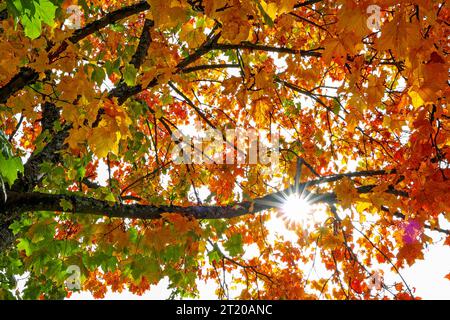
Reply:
x=22, y=202
x=49, y=153
x=144, y=44
x=26, y=76
x=108, y=19
x=3, y=14
x=125, y=92
x=95, y=26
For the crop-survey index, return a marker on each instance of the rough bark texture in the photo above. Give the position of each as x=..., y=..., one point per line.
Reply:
x=19, y=202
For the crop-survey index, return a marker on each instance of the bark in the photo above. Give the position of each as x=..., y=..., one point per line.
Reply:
x=19, y=202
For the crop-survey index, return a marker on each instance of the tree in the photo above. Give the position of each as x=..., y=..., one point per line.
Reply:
x=357, y=90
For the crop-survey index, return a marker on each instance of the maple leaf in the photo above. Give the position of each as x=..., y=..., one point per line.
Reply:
x=346, y=192
x=104, y=139
x=334, y=49
x=410, y=252
x=399, y=35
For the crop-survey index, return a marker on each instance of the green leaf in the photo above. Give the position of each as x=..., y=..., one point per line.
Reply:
x=31, y=14
x=336, y=107
x=98, y=75
x=220, y=226
x=129, y=75
x=214, y=255
x=9, y=168
x=5, y=146
x=134, y=235
x=24, y=244
x=172, y=253
x=66, y=205
x=234, y=245
x=46, y=11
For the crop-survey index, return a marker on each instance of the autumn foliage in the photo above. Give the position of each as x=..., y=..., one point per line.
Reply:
x=87, y=114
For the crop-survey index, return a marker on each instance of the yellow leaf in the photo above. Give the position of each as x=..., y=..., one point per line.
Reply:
x=193, y=36
x=76, y=137
x=399, y=35
x=167, y=14
x=159, y=113
x=285, y=6
x=212, y=5
x=352, y=19
x=271, y=9
x=375, y=90
x=104, y=139
x=328, y=240
x=362, y=206
x=416, y=99
x=260, y=111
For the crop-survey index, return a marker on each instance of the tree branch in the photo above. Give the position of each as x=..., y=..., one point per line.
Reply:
x=306, y=3
x=122, y=91
x=95, y=26
x=144, y=44
x=260, y=47
x=20, y=202
x=34, y=201
x=26, y=76
x=3, y=14
x=125, y=92
x=50, y=152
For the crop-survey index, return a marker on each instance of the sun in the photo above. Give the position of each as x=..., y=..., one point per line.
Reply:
x=298, y=211
x=294, y=205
